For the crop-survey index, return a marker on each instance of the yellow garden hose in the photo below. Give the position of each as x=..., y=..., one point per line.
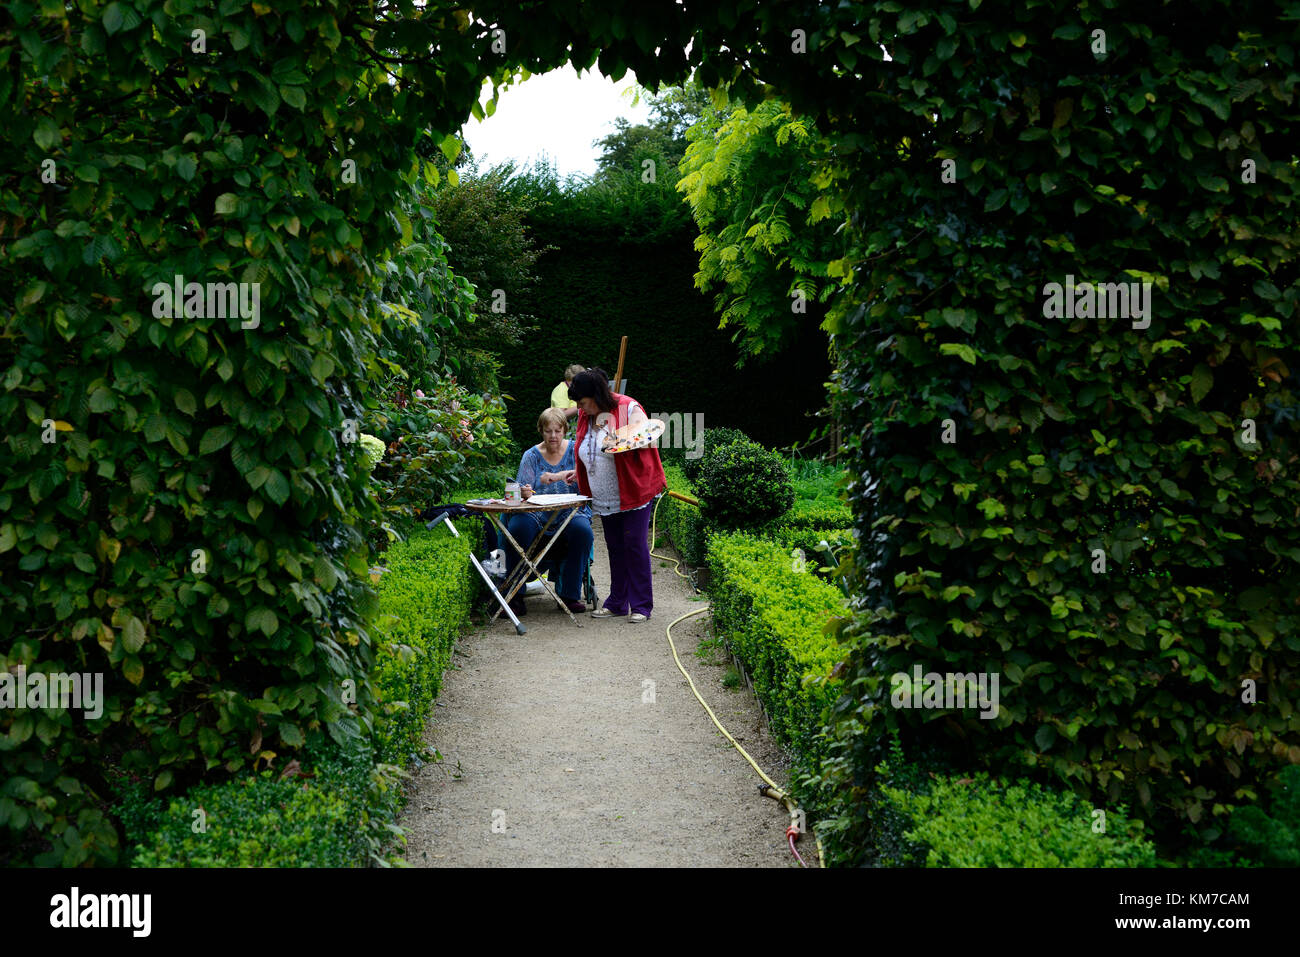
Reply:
x=770, y=789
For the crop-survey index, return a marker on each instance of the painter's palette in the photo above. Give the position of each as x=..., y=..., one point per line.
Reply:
x=639, y=436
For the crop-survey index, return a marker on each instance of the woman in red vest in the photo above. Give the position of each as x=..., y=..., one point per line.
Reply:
x=622, y=488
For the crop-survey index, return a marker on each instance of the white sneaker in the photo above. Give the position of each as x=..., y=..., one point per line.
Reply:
x=636, y=617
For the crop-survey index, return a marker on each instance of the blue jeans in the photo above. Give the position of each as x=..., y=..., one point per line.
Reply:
x=526, y=526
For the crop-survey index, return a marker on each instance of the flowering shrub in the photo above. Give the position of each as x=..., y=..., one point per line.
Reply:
x=433, y=441
x=373, y=449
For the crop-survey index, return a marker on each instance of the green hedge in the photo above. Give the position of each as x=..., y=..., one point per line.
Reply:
x=996, y=444
x=810, y=514
x=345, y=813
x=806, y=524
x=980, y=822
x=809, y=539
x=772, y=618
x=678, y=360
x=424, y=599
x=334, y=819
x=681, y=521
x=1270, y=830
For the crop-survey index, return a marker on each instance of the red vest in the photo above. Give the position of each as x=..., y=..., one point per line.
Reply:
x=640, y=473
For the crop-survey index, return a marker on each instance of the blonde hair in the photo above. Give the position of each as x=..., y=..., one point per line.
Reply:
x=573, y=370
x=552, y=417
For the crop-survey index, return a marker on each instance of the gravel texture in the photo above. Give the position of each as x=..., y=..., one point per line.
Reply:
x=547, y=735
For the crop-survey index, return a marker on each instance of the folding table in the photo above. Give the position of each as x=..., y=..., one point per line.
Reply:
x=532, y=555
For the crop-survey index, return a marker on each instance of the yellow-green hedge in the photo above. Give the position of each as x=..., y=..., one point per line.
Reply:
x=773, y=617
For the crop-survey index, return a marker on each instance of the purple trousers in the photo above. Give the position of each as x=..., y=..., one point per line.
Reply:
x=627, y=539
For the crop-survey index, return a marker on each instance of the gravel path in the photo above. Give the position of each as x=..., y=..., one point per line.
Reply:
x=547, y=734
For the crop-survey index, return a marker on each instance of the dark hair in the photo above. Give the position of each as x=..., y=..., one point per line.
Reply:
x=592, y=384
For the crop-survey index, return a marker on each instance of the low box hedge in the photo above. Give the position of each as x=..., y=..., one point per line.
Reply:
x=338, y=817
x=424, y=599
x=791, y=537
x=978, y=821
x=773, y=618
x=341, y=810
x=803, y=526
x=681, y=521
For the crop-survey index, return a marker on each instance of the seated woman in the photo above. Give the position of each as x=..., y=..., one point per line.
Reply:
x=541, y=470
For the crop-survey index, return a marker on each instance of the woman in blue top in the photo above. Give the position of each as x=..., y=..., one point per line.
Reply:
x=542, y=469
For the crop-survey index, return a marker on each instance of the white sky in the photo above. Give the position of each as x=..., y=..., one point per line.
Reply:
x=557, y=113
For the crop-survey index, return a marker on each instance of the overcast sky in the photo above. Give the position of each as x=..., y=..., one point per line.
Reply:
x=557, y=113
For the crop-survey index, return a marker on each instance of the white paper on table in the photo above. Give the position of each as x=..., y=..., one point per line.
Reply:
x=558, y=499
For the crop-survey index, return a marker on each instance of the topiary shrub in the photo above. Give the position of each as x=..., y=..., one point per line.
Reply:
x=743, y=485
x=713, y=440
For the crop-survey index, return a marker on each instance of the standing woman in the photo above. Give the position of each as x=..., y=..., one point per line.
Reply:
x=621, y=487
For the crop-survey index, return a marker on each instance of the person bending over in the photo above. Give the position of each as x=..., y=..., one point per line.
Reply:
x=622, y=487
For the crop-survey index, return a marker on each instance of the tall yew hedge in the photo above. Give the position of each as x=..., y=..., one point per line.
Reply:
x=589, y=293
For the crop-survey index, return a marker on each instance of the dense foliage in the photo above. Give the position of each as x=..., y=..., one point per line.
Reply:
x=1103, y=143
x=426, y=307
x=1004, y=449
x=435, y=441
x=594, y=288
x=183, y=499
x=1271, y=830
x=756, y=184
x=337, y=811
x=662, y=141
x=618, y=205
x=490, y=247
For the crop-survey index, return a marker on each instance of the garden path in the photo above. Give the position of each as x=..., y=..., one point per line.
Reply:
x=549, y=732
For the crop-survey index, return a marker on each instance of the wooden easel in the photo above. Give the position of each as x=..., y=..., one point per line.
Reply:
x=622, y=351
